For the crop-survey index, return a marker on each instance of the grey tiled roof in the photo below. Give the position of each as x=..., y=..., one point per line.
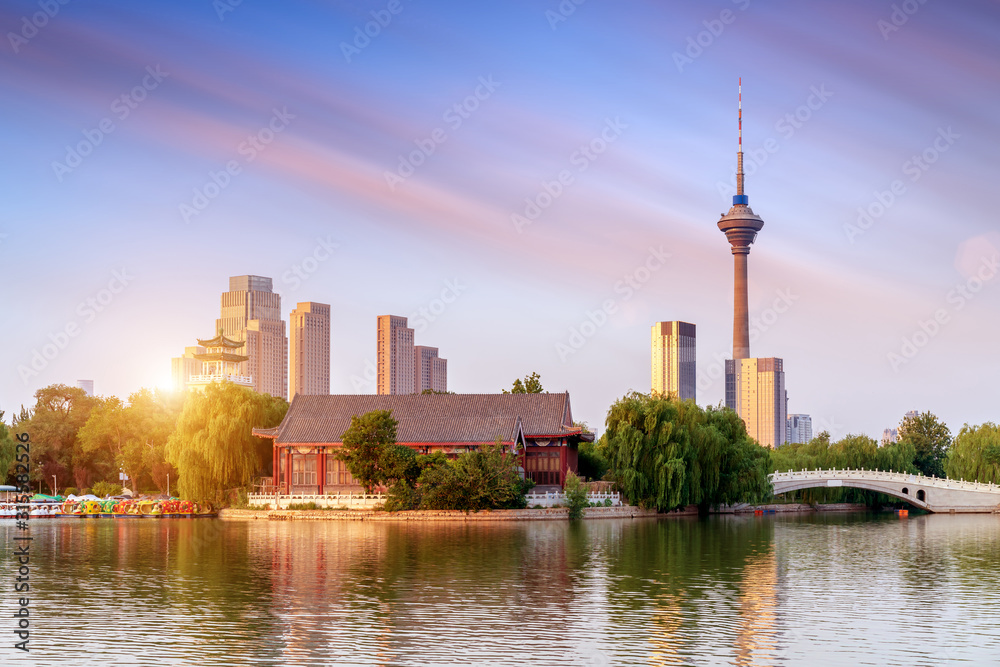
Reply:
x=478, y=418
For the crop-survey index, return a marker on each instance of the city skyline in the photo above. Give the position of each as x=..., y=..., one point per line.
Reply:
x=869, y=149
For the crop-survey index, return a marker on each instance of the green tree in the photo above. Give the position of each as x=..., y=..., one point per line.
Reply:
x=576, y=495
x=59, y=413
x=7, y=453
x=532, y=384
x=213, y=447
x=975, y=454
x=666, y=454
x=133, y=436
x=477, y=480
x=364, y=445
x=930, y=438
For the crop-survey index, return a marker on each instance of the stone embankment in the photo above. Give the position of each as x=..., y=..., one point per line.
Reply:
x=546, y=514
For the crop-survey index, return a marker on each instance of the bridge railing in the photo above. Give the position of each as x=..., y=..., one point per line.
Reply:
x=882, y=475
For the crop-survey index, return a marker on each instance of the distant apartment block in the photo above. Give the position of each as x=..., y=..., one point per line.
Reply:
x=251, y=313
x=755, y=389
x=87, y=386
x=798, y=429
x=182, y=368
x=673, y=359
x=394, y=368
x=429, y=370
x=889, y=436
x=309, y=350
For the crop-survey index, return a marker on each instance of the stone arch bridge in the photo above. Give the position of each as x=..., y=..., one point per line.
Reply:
x=928, y=493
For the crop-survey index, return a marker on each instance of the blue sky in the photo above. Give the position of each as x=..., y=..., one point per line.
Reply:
x=180, y=143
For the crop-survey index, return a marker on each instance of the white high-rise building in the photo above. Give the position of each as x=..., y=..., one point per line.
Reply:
x=395, y=355
x=251, y=312
x=799, y=428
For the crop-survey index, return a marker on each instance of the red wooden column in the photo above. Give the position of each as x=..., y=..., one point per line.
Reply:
x=274, y=465
x=563, y=462
x=321, y=469
x=288, y=470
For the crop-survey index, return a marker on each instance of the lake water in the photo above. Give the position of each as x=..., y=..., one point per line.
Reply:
x=727, y=590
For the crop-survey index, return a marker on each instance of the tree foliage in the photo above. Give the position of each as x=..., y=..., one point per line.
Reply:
x=213, y=447
x=59, y=413
x=975, y=454
x=930, y=439
x=7, y=453
x=364, y=447
x=576, y=495
x=477, y=480
x=532, y=384
x=133, y=437
x=666, y=454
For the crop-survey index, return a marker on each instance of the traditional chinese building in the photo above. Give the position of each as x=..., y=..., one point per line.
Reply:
x=537, y=427
x=220, y=363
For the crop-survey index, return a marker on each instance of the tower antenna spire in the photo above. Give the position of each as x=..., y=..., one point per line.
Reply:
x=739, y=153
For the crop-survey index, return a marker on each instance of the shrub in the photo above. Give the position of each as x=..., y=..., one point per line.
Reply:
x=304, y=506
x=477, y=480
x=607, y=502
x=69, y=491
x=401, y=496
x=576, y=495
x=105, y=489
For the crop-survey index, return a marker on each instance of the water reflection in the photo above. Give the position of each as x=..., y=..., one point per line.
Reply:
x=742, y=590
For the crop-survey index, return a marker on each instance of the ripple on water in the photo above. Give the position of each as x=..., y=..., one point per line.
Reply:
x=769, y=590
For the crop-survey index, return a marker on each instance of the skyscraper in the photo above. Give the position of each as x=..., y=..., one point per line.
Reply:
x=184, y=367
x=309, y=350
x=87, y=386
x=799, y=429
x=395, y=356
x=755, y=388
x=429, y=370
x=673, y=359
x=758, y=396
x=251, y=312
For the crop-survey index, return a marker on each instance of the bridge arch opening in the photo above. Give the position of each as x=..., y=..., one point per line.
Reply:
x=921, y=496
x=906, y=491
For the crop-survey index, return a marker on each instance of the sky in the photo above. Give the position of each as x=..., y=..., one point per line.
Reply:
x=533, y=184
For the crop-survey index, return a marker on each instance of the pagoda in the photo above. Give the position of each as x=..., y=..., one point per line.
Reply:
x=220, y=363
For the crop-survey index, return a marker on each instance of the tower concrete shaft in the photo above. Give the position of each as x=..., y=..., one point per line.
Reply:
x=740, y=226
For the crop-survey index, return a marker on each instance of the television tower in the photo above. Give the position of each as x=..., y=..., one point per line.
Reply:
x=740, y=226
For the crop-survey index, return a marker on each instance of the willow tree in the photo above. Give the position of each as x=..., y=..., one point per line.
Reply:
x=213, y=446
x=975, y=454
x=666, y=454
